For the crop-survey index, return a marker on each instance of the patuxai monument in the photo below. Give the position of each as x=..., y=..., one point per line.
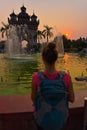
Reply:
x=23, y=27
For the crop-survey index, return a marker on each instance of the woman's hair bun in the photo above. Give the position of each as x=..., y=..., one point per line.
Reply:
x=51, y=46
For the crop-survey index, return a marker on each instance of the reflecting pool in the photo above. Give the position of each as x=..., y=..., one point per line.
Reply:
x=15, y=74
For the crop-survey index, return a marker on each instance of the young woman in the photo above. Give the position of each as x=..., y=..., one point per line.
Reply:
x=49, y=57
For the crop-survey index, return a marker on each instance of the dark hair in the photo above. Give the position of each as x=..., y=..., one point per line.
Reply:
x=50, y=53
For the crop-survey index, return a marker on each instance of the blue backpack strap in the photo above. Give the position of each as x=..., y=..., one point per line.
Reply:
x=59, y=76
x=41, y=76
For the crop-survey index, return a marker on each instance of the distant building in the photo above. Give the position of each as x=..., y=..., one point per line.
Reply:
x=26, y=25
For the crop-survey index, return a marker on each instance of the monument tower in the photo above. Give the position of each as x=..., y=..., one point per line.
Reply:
x=25, y=25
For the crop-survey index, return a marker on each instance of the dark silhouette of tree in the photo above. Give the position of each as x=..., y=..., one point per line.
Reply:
x=4, y=29
x=39, y=35
x=47, y=32
x=67, y=42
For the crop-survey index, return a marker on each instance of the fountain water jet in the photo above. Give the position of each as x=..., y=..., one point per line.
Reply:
x=59, y=44
x=13, y=46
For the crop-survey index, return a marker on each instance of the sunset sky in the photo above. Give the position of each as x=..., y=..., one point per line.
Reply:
x=65, y=16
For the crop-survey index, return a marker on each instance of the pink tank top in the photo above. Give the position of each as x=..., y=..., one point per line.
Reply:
x=36, y=79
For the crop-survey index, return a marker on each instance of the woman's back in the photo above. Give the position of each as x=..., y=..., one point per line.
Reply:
x=51, y=85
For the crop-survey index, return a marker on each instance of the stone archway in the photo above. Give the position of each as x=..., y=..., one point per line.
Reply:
x=24, y=44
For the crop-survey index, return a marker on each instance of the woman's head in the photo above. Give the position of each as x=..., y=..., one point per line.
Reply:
x=50, y=53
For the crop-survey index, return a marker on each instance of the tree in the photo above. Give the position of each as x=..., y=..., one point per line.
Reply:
x=67, y=42
x=4, y=29
x=47, y=32
x=39, y=35
x=2, y=46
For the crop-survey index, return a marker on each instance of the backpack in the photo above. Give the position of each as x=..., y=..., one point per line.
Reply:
x=51, y=103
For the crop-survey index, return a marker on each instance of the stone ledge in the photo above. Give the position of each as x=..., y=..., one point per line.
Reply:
x=16, y=113
x=15, y=104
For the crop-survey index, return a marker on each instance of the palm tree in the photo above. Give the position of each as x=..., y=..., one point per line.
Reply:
x=4, y=29
x=39, y=35
x=47, y=32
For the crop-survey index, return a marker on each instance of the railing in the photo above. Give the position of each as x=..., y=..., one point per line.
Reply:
x=85, y=114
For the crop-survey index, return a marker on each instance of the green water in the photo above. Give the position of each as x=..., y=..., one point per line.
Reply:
x=15, y=75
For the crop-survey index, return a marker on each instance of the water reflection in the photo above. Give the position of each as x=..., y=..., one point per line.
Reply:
x=15, y=75
x=66, y=57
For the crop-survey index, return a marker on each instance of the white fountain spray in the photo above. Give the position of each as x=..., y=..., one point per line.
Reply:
x=59, y=44
x=58, y=39
x=13, y=46
x=13, y=49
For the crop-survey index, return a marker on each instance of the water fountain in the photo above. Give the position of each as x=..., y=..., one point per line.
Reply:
x=13, y=46
x=59, y=44
x=15, y=75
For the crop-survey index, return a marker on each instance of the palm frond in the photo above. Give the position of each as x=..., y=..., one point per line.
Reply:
x=5, y=25
x=1, y=29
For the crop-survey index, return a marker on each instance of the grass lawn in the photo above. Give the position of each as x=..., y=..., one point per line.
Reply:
x=17, y=88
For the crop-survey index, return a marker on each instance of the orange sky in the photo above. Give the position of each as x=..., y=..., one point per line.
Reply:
x=65, y=16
